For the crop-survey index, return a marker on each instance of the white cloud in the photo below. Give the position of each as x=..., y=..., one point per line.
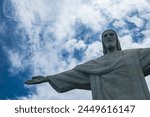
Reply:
x=137, y=21
x=15, y=60
x=49, y=25
x=94, y=50
x=72, y=44
x=119, y=24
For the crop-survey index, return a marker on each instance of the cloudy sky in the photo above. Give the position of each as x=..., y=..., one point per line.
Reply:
x=43, y=37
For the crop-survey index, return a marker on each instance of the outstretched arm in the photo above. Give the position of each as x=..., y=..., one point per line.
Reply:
x=64, y=81
x=68, y=80
x=144, y=58
x=37, y=80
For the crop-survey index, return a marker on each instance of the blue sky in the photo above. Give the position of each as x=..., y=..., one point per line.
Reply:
x=11, y=85
x=50, y=36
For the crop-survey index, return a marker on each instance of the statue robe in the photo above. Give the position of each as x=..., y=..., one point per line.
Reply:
x=118, y=75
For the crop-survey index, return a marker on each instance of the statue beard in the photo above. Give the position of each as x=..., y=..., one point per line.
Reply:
x=111, y=48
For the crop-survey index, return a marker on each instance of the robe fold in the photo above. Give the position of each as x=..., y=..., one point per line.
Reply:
x=118, y=75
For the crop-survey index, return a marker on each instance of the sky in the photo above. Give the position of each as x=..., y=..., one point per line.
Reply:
x=45, y=37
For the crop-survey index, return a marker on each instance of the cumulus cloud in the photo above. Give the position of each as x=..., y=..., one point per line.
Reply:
x=73, y=44
x=137, y=21
x=49, y=28
x=15, y=59
x=94, y=50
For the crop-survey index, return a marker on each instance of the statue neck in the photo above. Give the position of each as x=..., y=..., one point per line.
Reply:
x=111, y=50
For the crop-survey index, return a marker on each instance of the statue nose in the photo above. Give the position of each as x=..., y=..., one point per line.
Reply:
x=109, y=37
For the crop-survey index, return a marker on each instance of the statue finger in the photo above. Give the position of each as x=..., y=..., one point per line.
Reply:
x=34, y=77
x=29, y=82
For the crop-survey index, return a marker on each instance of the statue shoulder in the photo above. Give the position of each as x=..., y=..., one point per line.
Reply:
x=138, y=51
x=132, y=51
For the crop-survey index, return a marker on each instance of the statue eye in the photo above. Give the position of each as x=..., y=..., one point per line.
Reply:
x=111, y=34
x=105, y=35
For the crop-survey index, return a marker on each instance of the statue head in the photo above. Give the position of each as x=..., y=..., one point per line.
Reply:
x=110, y=41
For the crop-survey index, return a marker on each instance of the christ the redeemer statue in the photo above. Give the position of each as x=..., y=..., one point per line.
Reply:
x=117, y=75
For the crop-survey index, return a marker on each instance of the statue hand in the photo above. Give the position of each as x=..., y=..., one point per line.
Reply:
x=36, y=80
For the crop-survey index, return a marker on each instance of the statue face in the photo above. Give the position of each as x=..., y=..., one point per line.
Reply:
x=109, y=39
